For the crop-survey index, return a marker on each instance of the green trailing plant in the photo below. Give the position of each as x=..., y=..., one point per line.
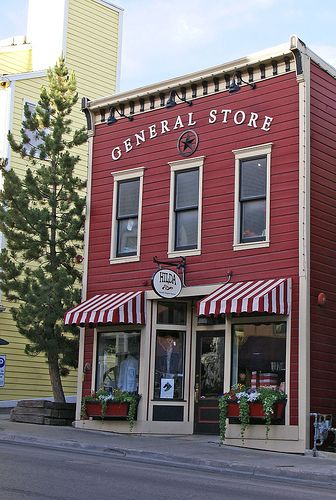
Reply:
x=268, y=399
x=238, y=394
x=104, y=397
x=223, y=403
x=244, y=415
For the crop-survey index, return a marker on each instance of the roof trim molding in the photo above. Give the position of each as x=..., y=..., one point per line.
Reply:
x=297, y=45
x=110, y=5
x=186, y=80
x=24, y=76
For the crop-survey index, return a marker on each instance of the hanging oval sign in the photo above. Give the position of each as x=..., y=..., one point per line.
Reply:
x=166, y=283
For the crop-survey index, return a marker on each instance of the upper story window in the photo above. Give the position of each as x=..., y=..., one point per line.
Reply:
x=252, y=199
x=126, y=224
x=34, y=139
x=185, y=207
x=127, y=217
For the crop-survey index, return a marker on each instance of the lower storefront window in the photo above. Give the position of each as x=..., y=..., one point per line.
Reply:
x=118, y=361
x=169, y=364
x=259, y=355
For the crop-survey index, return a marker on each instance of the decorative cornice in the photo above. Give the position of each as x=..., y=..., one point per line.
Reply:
x=260, y=66
x=243, y=65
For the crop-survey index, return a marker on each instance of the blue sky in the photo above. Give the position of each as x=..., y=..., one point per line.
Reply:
x=164, y=39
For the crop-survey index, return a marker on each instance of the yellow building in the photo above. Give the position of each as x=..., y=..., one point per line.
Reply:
x=88, y=34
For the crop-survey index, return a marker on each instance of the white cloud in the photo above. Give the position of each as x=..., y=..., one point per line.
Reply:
x=326, y=52
x=164, y=39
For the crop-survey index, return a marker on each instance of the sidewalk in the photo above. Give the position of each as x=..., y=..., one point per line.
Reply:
x=193, y=451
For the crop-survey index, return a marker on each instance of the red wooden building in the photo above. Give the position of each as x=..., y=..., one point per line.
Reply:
x=225, y=181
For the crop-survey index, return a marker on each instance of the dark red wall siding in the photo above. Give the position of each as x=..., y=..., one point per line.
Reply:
x=323, y=247
x=88, y=349
x=276, y=97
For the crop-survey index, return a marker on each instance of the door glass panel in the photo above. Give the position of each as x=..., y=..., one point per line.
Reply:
x=172, y=313
x=211, y=366
x=169, y=364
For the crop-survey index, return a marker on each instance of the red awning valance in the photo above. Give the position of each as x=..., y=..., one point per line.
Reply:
x=270, y=296
x=127, y=307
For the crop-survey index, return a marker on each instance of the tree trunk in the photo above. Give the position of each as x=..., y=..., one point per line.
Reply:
x=55, y=379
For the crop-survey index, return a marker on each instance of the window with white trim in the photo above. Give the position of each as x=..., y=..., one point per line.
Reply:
x=259, y=354
x=185, y=207
x=252, y=196
x=126, y=225
x=118, y=355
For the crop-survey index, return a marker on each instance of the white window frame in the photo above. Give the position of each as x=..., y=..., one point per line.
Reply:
x=253, y=320
x=186, y=329
x=243, y=154
x=134, y=173
x=179, y=166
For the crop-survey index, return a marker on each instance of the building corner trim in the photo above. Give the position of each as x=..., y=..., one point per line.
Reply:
x=88, y=115
x=302, y=59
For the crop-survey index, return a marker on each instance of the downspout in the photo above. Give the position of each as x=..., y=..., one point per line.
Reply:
x=302, y=61
x=80, y=374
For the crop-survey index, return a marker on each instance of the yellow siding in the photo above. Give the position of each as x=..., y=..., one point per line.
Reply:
x=15, y=61
x=92, y=47
x=26, y=376
x=92, y=52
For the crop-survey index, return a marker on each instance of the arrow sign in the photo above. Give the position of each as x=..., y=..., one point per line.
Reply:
x=167, y=388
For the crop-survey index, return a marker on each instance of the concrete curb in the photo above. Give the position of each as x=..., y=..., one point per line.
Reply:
x=277, y=472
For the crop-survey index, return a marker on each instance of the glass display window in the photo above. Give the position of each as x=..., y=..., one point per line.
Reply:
x=259, y=355
x=118, y=356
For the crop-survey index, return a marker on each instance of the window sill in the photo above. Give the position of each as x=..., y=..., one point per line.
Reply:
x=183, y=253
x=248, y=246
x=124, y=260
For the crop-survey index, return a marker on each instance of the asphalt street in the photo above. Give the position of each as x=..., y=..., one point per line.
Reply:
x=31, y=472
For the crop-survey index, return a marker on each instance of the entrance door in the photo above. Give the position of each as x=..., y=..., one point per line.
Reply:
x=209, y=379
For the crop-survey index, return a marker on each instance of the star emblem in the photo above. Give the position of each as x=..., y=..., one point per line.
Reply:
x=187, y=143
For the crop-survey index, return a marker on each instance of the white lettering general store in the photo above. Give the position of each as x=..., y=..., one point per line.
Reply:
x=225, y=116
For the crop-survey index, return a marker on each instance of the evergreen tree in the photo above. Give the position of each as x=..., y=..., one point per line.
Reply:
x=42, y=219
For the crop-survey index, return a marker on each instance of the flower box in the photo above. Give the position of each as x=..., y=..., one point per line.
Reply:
x=244, y=406
x=256, y=410
x=113, y=410
x=118, y=405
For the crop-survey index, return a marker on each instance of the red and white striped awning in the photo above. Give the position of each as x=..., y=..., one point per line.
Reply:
x=270, y=296
x=114, y=308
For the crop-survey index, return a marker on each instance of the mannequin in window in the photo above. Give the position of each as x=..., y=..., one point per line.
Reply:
x=128, y=374
x=169, y=359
